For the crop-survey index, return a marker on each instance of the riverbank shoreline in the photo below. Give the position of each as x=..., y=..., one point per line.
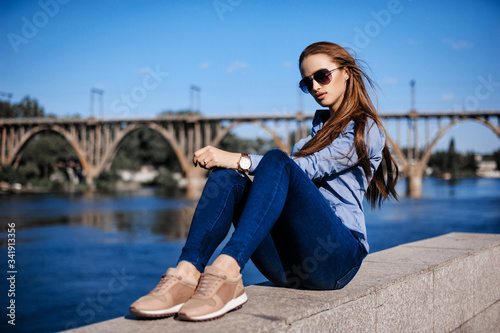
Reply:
x=131, y=185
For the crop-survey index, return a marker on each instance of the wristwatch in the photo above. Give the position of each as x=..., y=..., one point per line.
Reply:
x=245, y=163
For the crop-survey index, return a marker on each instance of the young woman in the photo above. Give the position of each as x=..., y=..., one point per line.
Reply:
x=301, y=220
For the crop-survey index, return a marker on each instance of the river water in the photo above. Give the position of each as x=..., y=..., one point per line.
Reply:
x=85, y=258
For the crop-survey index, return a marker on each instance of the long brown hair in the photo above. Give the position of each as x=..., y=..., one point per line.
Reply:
x=358, y=106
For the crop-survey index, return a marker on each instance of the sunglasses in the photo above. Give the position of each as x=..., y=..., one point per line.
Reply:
x=323, y=77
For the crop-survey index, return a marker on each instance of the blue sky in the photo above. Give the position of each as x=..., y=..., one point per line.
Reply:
x=145, y=55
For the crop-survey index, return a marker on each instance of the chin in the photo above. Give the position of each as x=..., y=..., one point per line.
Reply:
x=324, y=103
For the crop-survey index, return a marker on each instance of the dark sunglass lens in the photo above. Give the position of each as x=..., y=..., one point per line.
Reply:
x=305, y=84
x=323, y=76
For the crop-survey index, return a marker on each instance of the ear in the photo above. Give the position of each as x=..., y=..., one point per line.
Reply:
x=347, y=74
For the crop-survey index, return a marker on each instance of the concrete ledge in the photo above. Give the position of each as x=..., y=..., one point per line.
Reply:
x=443, y=284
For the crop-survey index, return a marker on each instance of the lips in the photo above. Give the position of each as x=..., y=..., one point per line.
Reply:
x=321, y=95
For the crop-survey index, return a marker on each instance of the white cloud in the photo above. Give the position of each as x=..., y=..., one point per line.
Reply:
x=390, y=80
x=235, y=65
x=459, y=44
x=447, y=96
x=287, y=64
x=204, y=65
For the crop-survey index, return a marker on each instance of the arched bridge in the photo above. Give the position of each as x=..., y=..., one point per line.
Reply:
x=417, y=156
x=97, y=141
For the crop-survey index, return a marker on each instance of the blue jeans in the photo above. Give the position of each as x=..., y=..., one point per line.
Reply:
x=282, y=222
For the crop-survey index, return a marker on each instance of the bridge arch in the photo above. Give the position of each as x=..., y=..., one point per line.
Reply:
x=23, y=142
x=441, y=132
x=225, y=131
x=115, y=145
x=444, y=130
x=397, y=151
x=414, y=170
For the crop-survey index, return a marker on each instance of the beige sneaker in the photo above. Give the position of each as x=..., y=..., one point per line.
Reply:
x=166, y=298
x=216, y=295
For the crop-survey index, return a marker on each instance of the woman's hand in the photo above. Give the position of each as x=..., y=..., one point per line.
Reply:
x=210, y=157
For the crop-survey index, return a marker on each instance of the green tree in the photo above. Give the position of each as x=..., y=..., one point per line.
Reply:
x=452, y=159
x=26, y=108
x=233, y=143
x=468, y=164
x=437, y=161
x=6, y=110
x=457, y=164
x=145, y=147
x=10, y=175
x=496, y=157
x=44, y=150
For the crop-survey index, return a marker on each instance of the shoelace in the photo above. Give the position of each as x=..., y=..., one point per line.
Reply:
x=207, y=283
x=166, y=280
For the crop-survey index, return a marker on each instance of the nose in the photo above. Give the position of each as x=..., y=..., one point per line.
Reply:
x=315, y=85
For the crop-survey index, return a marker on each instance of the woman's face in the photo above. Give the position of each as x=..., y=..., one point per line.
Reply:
x=331, y=94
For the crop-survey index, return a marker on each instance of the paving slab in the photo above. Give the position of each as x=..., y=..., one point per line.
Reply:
x=406, y=306
x=422, y=257
x=356, y=316
x=487, y=321
x=458, y=240
x=440, y=284
x=453, y=284
x=487, y=279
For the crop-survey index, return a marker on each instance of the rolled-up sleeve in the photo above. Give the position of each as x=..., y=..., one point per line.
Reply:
x=255, y=162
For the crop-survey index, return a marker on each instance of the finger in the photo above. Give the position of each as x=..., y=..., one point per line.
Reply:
x=206, y=163
x=199, y=159
x=202, y=150
x=211, y=164
x=198, y=153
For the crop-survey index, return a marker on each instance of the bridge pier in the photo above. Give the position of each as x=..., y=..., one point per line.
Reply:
x=196, y=182
x=414, y=175
x=91, y=173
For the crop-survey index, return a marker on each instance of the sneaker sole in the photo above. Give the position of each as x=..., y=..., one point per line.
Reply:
x=156, y=313
x=232, y=305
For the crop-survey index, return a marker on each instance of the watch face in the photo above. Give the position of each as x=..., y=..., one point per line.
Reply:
x=245, y=163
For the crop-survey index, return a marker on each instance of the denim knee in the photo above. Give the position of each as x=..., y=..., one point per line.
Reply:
x=275, y=157
x=219, y=181
x=224, y=177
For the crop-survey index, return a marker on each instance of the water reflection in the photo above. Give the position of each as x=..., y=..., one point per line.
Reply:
x=172, y=224
x=179, y=225
x=132, y=216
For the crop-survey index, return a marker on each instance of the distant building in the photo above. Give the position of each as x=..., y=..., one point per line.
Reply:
x=486, y=168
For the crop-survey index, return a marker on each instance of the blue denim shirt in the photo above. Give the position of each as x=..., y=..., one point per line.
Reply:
x=336, y=173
